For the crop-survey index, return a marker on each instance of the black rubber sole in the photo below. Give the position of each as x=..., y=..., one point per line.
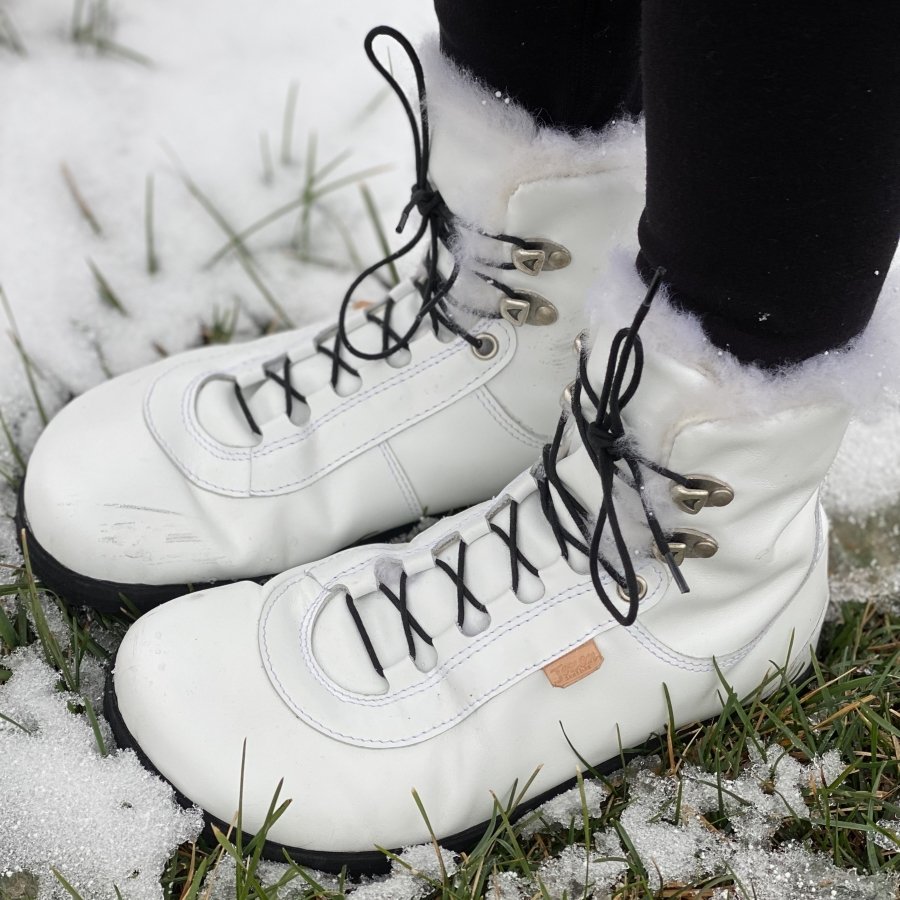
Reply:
x=81, y=590
x=367, y=862
x=111, y=597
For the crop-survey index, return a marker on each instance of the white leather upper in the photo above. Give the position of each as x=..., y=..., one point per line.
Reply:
x=156, y=477
x=475, y=711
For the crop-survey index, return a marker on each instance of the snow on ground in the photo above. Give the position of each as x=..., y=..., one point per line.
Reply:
x=212, y=98
x=666, y=825
x=98, y=820
x=217, y=87
x=87, y=128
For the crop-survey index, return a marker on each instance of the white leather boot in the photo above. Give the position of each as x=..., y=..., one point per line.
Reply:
x=241, y=461
x=674, y=538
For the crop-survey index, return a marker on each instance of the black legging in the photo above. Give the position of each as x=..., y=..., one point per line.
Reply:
x=773, y=141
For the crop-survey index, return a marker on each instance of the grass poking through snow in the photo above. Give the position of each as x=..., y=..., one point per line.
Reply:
x=787, y=793
x=93, y=25
x=9, y=34
x=719, y=789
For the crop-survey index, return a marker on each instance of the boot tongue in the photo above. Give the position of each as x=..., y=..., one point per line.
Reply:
x=580, y=477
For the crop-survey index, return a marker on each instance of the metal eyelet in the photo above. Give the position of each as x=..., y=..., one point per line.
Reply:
x=487, y=346
x=642, y=589
x=701, y=491
x=578, y=344
x=540, y=255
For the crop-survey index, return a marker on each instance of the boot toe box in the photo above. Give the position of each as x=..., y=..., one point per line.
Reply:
x=102, y=499
x=190, y=689
x=193, y=696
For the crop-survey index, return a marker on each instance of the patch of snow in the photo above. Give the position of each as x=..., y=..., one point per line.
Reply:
x=793, y=873
x=411, y=881
x=215, y=91
x=221, y=881
x=99, y=821
x=507, y=886
x=666, y=822
x=575, y=869
x=889, y=841
x=566, y=808
x=865, y=477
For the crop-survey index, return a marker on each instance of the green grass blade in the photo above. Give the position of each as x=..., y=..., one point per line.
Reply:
x=105, y=290
x=287, y=124
x=68, y=887
x=149, y=226
x=378, y=228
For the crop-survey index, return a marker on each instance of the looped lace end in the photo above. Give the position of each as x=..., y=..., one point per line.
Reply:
x=437, y=222
x=605, y=441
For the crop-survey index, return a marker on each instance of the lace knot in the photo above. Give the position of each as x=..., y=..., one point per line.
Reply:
x=424, y=199
x=607, y=444
x=603, y=440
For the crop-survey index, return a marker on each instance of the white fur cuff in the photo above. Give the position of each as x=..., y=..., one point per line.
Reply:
x=865, y=374
x=485, y=146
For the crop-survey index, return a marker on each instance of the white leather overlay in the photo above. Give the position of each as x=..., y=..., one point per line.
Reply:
x=522, y=638
x=437, y=375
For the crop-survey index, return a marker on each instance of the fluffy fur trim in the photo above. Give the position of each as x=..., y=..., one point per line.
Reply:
x=485, y=146
x=864, y=374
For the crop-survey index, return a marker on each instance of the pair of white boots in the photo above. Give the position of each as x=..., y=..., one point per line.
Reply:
x=669, y=538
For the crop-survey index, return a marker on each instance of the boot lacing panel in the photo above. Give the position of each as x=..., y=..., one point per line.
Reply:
x=440, y=224
x=606, y=444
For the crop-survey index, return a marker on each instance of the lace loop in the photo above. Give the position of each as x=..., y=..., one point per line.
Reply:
x=606, y=444
x=437, y=222
x=436, y=218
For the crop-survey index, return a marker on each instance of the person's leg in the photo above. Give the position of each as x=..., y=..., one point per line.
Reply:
x=573, y=64
x=773, y=185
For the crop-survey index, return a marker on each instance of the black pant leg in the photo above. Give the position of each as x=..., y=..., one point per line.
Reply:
x=573, y=64
x=773, y=166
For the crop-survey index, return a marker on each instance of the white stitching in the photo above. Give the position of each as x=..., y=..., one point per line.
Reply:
x=402, y=480
x=334, y=463
x=638, y=632
x=224, y=452
x=467, y=653
x=505, y=421
x=695, y=663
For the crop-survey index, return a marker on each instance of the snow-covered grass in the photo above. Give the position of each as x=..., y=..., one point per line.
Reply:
x=173, y=174
x=795, y=796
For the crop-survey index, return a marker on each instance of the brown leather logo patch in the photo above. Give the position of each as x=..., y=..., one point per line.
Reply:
x=574, y=666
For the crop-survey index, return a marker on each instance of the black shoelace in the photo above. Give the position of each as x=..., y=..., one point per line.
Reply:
x=437, y=221
x=605, y=441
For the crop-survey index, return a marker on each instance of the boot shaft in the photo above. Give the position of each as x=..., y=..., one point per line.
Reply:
x=753, y=449
x=569, y=199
